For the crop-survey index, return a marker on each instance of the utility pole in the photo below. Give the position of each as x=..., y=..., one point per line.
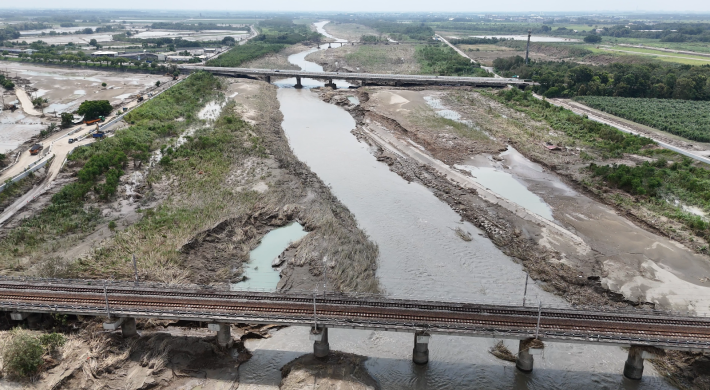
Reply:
x=527, y=48
x=525, y=293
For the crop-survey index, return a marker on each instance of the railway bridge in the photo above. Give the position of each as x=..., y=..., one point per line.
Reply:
x=361, y=78
x=644, y=332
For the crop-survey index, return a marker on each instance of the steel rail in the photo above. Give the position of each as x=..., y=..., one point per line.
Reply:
x=365, y=312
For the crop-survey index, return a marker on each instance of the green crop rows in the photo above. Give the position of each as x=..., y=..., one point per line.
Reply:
x=686, y=118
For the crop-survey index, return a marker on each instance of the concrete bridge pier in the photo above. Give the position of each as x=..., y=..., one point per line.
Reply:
x=328, y=45
x=224, y=334
x=127, y=325
x=321, y=347
x=267, y=79
x=633, y=368
x=525, y=360
x=298, y=82
x=420, y=354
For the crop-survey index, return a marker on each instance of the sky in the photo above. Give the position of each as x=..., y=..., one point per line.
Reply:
x=509, y=6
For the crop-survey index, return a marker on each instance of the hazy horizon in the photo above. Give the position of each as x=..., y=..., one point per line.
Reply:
x=515, y=6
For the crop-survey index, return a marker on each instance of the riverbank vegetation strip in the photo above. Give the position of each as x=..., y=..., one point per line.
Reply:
x=646, y=80
x=667, y=183
x=102, y=165
x=445, y=61
x=688, y=119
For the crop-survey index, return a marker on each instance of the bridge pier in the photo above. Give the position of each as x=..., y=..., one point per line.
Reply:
x=268, y=79
x=298, y=82
x=328, y=45
x=321, y=347
x=224, y=333
x=420, y=354
x=127, y=325
x=633, y=368
x=525, y=360
x=331, y=84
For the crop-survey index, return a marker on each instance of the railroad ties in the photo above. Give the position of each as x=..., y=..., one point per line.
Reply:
x=645, y=332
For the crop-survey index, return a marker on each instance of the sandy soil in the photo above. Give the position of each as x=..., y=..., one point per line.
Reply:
x=167, y=355
x=277, y=60
x=337, y=371
x=380, y=58
x=65, y=89
x=628, y=258
x=351, y=32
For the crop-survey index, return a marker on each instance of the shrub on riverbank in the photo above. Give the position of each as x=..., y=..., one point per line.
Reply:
x=103, y=163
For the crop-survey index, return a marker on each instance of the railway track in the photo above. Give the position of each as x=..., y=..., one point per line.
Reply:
x=352, y=311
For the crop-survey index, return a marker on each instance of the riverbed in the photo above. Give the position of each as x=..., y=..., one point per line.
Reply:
x=420, y=257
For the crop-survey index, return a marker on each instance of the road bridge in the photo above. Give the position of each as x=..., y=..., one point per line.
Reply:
x=121, y=303
x=361, y=78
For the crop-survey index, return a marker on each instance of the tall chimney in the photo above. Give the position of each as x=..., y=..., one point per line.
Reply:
x=527, y=48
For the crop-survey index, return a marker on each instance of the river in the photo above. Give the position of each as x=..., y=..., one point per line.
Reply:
x=420, y=257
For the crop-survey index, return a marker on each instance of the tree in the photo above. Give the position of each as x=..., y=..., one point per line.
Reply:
x=88, y=30
x=229, y=41
x=592, y=38
x=92, y=109
x=67, y=119
x=93, y=42
x=157, y=83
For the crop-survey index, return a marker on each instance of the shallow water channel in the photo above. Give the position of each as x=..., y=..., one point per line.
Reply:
x=420, y=257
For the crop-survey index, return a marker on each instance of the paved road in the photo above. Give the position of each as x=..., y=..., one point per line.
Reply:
x=26, y=102
x=488, y=69
x=61, y=148
x=368, y=77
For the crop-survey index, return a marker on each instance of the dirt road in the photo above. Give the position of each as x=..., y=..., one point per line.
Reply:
x=610, y=120
x=488, y=69
x=26, y=102
x=61, y=148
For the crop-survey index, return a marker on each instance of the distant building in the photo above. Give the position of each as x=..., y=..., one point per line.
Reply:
x=178, y=58
x=210, y=50
x=99, y=53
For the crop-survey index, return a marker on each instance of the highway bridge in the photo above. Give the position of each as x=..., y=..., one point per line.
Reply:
x=122, y=302
x=361, y=78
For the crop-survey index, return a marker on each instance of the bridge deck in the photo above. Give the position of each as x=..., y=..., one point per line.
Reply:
x=348, y=311
x=367, y=77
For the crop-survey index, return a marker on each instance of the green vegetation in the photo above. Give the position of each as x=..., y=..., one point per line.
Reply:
x=669, y=178
x=476, y=41
x=650, y=80
x=22, y=355
x=92, y=109
x=608, y=140
x=662, y=182
x=284, y=31
x=398, y=31
x=689, y=119
x=6, y=83
x=67, y=119
x=593, y=38
x=445, y=61
x=103, y=164
x=243, y=53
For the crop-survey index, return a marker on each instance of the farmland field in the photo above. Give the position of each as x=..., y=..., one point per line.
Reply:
x=685, y=118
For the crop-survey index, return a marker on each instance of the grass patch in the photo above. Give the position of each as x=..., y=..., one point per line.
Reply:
x=445, y=61
x=102, y=166
x=243, y=53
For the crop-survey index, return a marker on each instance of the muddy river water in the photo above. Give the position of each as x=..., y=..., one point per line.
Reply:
x=420, y=257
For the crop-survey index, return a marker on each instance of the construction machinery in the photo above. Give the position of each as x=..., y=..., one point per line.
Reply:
x=35, y=149
x=91, y=122
x=139, y=98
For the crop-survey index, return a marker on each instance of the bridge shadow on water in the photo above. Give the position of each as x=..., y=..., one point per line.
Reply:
x=263, y=371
